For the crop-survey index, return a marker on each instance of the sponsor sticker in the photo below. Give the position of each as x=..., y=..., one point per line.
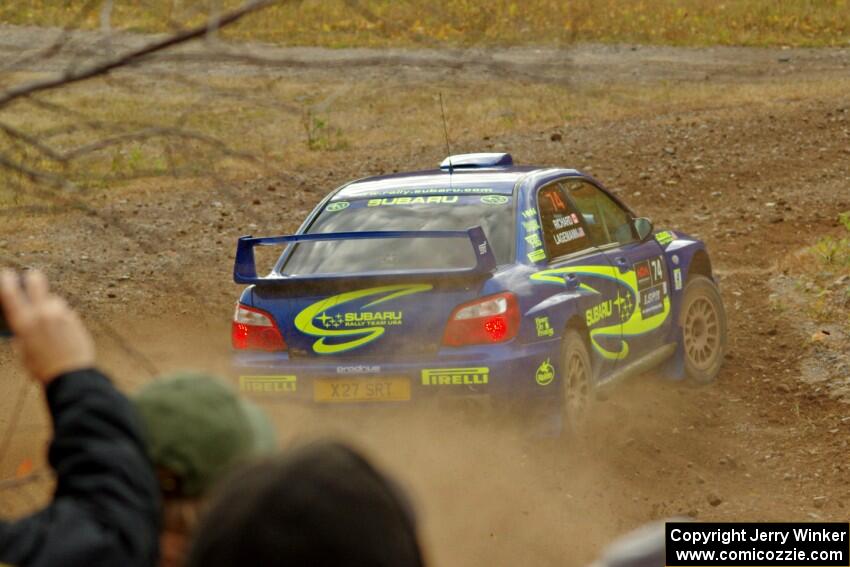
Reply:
x=652, y=286
x=341, y=322
x=433, y=200
x=677, y=278
x=534, y=240
x=407, y=191
x=545, y=373
x=599, y=312
x=531, y=226
x=625, y=306
x=564, y=222
x=529, y=213
x=268, y=384
x=337, y=206
x=455, y=376
x=651, y=301
x=643, y=273
x=665, y=237
x=494, y=199
x=537, y=255
x=359, y=369
x=544, y=329
x=354, y=319
x=569, y=235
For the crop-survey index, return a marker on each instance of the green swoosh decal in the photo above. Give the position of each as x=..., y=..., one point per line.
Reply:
x=635, y=325
x=304, y=319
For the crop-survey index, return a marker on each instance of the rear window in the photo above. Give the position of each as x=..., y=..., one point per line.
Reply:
x=494, y=213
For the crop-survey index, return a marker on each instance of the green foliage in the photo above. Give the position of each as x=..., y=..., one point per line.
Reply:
x=340, y=23
x=844, y=219
x=321, y=135
x=834, y=251
x=827, y=249
x=841, y=246
x=135, y=161
x=823, y=272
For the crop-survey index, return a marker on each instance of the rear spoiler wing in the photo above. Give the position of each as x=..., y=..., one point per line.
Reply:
x=245, y=270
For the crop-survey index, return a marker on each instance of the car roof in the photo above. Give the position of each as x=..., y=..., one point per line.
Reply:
x=497, y=180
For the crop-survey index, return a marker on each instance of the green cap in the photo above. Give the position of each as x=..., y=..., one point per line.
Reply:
x=197, y=428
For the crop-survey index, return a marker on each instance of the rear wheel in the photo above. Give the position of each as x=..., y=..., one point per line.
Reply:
x=577, y=382
x=703, y=323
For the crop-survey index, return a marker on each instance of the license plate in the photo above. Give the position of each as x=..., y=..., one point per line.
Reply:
x=361, y=390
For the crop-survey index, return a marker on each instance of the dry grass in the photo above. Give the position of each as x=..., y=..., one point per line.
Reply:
x=823, y=275
x=298, y=122
x=339, y=23
x=271, y=125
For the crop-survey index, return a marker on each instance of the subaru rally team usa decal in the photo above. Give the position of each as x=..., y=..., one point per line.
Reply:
x=643, y=307
x=329, y=319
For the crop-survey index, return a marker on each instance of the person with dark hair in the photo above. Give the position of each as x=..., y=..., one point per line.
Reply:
x=105, y=507
x=321, y=505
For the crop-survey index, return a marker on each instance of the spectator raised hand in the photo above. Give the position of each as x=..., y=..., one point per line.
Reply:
x=50, y=335
x=105, y=508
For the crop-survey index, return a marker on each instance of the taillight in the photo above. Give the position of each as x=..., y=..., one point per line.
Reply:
x=492, y=319
x=254, y=329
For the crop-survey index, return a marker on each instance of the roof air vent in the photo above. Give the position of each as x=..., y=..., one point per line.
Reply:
x=475, y=161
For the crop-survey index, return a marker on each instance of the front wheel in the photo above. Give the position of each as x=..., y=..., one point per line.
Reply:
x=577, y=379
x=703, y=323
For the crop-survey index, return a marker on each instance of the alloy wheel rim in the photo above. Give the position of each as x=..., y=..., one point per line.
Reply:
x=578, y=388
x=702, y=333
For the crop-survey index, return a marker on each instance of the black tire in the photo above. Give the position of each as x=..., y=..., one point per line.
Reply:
x=703, y=323
x=576, y=383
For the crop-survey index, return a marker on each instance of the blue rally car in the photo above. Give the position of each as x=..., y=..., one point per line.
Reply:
x=480, y=278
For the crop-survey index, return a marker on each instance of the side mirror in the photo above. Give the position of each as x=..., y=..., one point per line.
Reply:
x=643, y=227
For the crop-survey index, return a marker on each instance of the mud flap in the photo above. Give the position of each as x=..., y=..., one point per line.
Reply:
x=674, y=367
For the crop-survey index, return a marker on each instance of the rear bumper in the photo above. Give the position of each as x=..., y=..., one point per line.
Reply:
x=508, y=372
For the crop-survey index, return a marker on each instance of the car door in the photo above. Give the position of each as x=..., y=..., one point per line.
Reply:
x=578, y=265
x=644, y=285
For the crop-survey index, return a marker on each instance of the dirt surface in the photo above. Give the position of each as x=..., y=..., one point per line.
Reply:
x=582, y=63
x=150, y=270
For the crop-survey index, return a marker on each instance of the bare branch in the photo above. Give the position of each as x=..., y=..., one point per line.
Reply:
x=157, y=132
x=57, y=45
x=16, y=134
x=76, y=75
x=84, y=119
x=245, y=95
x=31, y=156
x=33, y=175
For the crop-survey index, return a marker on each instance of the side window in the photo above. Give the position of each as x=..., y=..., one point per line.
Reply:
x=606, y=221
x=563, y=232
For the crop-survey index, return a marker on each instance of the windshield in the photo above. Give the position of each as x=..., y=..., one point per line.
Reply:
x=437, y=212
